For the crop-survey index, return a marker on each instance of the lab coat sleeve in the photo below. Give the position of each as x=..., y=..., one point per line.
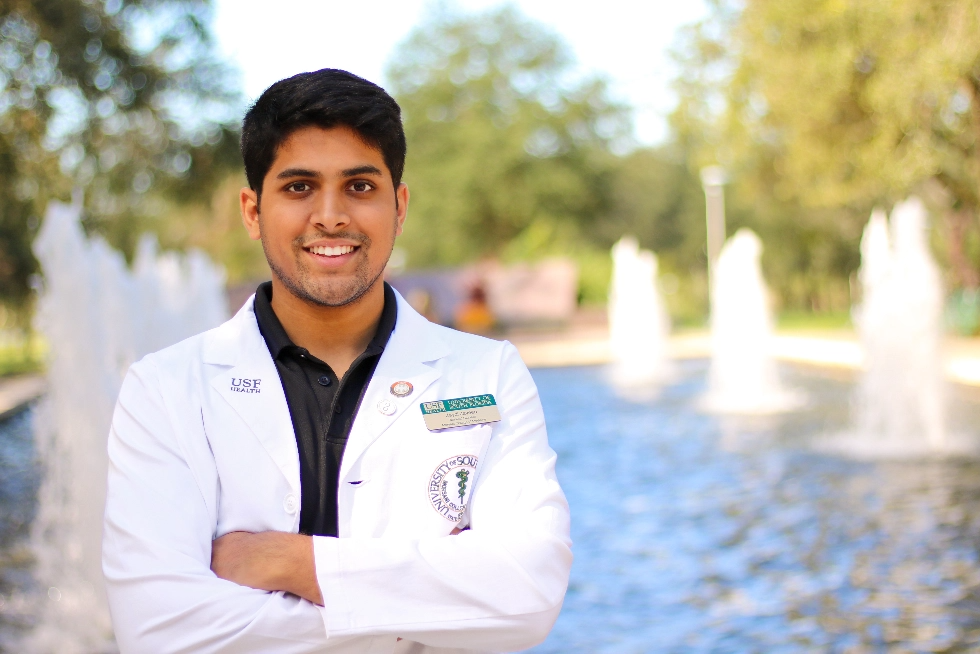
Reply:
x=162, y=594
x=498, y=586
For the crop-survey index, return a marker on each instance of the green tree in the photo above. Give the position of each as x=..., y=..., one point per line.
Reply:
x=509, y=151
x=657, y=199
x=124, y=99
x=825, y=109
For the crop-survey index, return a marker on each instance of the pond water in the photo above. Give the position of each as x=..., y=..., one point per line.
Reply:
x=696, y=533
x=19, y=481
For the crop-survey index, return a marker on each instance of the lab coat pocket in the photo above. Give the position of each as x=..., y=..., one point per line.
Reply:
x=437, y=473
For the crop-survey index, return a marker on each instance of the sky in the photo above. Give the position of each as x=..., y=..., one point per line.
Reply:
x=627, y=40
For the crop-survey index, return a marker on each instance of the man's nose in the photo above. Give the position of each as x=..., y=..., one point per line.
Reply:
x=330, y=214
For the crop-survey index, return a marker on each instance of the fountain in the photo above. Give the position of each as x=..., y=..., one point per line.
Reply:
x=638, y=322
x=899, y=404
x=98, y=318
x=743, y=378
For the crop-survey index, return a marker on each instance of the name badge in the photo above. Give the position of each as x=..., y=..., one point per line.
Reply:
x=460, y=412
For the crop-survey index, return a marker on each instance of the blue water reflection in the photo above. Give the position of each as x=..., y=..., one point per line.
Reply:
x=19, y=481
x=699, y=534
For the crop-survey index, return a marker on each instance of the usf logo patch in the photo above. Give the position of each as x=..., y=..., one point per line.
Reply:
x=451, y=484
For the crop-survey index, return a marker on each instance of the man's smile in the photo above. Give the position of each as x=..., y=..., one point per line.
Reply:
x=335, y=251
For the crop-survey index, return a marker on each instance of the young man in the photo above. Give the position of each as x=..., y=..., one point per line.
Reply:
x=328, y=471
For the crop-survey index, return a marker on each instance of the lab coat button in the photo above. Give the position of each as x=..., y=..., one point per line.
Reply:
x=290, y=504
x=387, y=407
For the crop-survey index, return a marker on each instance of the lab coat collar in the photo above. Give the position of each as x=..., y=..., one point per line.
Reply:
x=239, y=348
x=415, y=343
x=238, y=343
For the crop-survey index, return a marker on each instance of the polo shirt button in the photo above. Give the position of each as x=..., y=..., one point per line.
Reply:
x=290, y=504
x=324, y=380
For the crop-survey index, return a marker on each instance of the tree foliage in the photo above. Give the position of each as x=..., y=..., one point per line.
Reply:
x=825, y=109
x=658, y=200
x=864, y=100
x=122, y=98
x=509, y=150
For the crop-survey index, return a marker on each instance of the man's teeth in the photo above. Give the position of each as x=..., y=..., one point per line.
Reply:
x=332, y=252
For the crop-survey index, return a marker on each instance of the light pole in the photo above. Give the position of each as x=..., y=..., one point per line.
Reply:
x=713, y=180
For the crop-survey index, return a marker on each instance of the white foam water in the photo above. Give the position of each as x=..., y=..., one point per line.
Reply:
x=743, y=378
x=899, y=404
x=638, y=322
x=98, y=317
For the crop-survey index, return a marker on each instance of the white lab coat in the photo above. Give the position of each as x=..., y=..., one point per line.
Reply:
x=195, y=454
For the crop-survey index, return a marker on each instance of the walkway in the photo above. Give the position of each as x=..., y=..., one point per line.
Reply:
x=835, y=349
x=16, y=392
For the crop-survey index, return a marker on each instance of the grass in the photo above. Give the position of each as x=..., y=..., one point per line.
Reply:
x=22, y=357
x=802, y=320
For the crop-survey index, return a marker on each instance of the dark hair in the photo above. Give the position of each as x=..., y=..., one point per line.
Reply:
x=325, y=98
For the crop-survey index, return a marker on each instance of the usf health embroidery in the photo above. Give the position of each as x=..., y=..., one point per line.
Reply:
x=245, y=385
x=451, y=484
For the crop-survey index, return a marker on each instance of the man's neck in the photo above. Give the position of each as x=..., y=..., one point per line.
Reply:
x=335, y=335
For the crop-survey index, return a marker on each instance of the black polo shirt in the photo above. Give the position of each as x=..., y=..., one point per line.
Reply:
x=321, y=406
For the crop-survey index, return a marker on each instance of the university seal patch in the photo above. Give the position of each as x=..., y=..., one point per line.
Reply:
x=451, y=484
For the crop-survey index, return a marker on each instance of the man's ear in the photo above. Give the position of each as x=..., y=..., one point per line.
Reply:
x=401, y=206
x=249, y=201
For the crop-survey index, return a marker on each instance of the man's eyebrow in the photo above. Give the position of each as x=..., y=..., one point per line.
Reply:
x=366, y=169
x=298, y=172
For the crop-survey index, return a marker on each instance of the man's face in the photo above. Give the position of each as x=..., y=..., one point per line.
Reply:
x=328, y=217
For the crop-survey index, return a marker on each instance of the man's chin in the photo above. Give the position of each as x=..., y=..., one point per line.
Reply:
x=328, y=289
x=335, y=293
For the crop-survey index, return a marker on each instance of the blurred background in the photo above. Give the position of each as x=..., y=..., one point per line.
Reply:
x=535, y=130
x=785, y=420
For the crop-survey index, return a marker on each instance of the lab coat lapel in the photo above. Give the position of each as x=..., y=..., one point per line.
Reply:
x=263, y=407
x=413, y=345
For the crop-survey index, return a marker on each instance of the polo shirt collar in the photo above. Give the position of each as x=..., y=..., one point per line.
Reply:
x=278, y=340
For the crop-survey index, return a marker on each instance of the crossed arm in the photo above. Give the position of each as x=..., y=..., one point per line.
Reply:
x=269, y=560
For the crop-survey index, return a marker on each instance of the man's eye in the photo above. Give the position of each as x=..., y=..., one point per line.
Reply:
x=298, y=187
x=361, y=187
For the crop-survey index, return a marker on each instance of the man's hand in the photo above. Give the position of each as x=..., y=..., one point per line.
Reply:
x=270, y=560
